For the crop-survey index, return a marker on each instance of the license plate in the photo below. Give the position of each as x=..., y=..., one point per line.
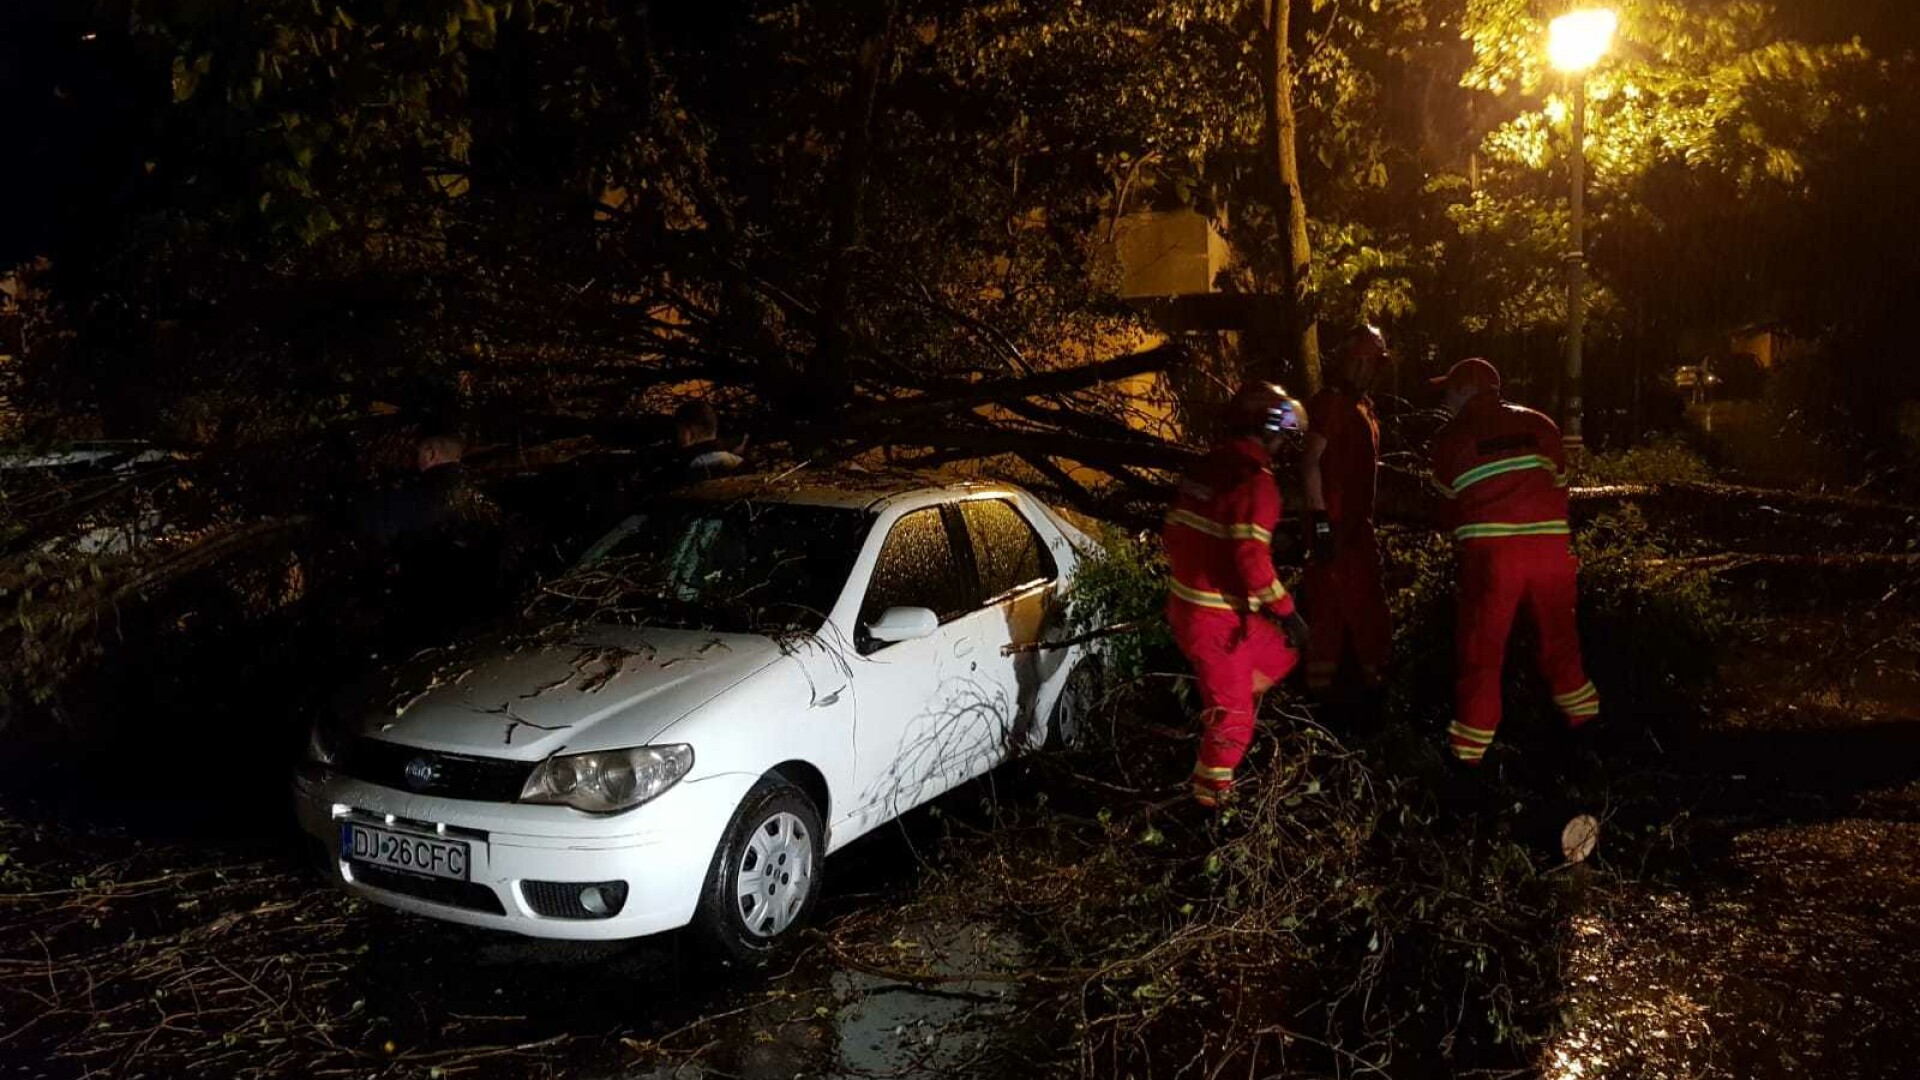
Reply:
x=411, y=852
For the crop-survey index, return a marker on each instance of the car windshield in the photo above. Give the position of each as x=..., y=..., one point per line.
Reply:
x=745, y=567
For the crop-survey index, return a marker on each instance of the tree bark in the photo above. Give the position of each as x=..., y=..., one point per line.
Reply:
x=830, y=376
x=1289, y=203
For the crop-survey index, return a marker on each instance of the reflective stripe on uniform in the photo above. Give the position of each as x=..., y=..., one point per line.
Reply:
x=1469, y=744
x=1481, y=530
x=1220, y=530
x=1272, y=594
x=1202, y=597
x=1501, y=467
x=1219, y=601
x=1473, y=735
x=1211, y=783
x=1576, y=696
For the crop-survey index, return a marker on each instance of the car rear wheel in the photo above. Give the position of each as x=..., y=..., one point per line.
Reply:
x=765, y=876
x=1067, y=723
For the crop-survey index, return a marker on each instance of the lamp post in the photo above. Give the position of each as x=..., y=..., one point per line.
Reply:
x=1575, y=42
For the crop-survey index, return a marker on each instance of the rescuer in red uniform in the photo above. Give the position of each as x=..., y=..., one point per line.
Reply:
x=1223, y=586
x=1501, y=470
x=1342, y=596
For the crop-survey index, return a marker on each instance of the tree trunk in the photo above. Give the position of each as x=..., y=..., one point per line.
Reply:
x=829, y=373
x=1288, y=201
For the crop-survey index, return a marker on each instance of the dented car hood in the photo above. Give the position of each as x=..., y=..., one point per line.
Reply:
x=523, y=697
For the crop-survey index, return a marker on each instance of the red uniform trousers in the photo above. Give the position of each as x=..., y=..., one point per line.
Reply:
x=1498, y=576
x=1226, y=649
x=1345, y=605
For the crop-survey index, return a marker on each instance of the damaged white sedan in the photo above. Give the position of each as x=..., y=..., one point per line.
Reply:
x=728, y=687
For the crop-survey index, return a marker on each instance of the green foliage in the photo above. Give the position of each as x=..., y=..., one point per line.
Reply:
x=46, y=625
x=1649, y=622
x=561, y=204
x=1420, y=598
x=1126, y=581
x=1372, y=279
x=1704, y=121
x=1661, y=461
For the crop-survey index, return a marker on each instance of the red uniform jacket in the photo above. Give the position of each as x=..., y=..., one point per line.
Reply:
x=1502, y=469
x=1219, y=532
x=1348, y=466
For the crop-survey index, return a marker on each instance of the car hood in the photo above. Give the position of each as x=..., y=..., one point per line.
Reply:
x=525, y=696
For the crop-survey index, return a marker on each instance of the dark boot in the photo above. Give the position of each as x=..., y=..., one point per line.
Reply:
x=1584, y=771
x=1465, y=790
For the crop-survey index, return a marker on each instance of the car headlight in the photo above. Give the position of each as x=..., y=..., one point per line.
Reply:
x=608, y=780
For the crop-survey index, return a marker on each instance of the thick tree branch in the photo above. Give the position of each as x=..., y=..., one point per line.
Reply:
x=949, y=398
x=1103, y=454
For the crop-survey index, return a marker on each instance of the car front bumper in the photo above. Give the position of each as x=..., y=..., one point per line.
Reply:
x=661, y=850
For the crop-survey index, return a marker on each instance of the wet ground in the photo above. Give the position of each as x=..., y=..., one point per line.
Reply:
x=124, y=954
x=1783, y=939
x=1763, y=920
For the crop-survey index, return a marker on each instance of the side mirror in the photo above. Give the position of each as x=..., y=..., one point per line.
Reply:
x=903, y=624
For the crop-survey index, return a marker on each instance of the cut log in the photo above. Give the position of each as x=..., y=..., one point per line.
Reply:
x=1734, y=560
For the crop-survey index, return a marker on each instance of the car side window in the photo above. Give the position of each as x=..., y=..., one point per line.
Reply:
x=917, y=568
x=1006, y=550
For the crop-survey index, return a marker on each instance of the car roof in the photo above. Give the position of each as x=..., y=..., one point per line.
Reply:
x=849, y=486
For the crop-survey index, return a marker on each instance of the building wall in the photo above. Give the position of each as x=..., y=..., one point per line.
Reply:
x=1168, y=253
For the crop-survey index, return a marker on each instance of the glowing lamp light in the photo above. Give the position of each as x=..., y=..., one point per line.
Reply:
x=1577, y=40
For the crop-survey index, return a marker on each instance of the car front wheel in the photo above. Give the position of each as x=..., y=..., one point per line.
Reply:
x=765, y=876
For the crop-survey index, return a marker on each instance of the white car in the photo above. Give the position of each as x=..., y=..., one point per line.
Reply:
x=728, y=687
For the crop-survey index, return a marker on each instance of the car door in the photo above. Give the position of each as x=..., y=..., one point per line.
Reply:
x=1018, y=600
x=907, y=709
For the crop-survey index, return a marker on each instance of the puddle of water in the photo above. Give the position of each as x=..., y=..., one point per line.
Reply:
x=855, y=1024
x=887, y=1029
x=1803, y=961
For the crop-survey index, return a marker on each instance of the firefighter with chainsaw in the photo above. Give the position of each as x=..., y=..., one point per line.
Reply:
x=1342, y=596
x=1224, y=594
x=1500, y=470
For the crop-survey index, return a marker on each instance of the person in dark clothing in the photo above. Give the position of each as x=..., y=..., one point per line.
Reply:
x=696, y=431
x=436, y=496
x=439, y=543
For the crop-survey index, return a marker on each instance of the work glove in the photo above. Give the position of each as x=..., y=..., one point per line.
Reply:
x=1295, y=628
x=1320, y=536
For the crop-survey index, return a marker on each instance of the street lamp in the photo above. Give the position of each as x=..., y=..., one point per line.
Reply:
x=1575, y=42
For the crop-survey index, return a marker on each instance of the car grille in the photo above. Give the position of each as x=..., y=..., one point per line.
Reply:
x=450, y=776
x=470, y=895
